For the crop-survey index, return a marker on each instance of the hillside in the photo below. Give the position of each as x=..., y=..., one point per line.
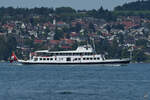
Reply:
x=138, y=8
x=138, y=5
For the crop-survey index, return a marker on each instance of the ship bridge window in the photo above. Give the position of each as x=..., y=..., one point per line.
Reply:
x=94, y=58
x=84, y=58
x=91, y=58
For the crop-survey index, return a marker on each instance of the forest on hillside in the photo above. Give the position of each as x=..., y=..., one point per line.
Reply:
x=138, y=8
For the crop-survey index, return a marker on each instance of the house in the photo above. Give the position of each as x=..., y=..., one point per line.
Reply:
x=36, y=41
x=54, y=42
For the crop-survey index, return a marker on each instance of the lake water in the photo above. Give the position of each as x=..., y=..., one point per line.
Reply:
x=43, y=82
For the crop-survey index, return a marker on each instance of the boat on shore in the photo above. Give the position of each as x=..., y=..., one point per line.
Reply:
x=82, y=55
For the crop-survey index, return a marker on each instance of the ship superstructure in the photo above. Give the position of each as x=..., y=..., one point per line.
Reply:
x=82, y=55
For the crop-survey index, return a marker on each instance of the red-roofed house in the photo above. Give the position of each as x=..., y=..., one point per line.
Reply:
x=38, y=41
x=54, y=42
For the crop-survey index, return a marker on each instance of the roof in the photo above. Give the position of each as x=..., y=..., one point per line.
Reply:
x=38, y=41
x=54, y=41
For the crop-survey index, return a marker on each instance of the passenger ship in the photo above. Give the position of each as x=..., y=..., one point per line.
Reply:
x=82, y=55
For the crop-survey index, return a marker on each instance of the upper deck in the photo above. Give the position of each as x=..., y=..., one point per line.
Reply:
x=80, y=49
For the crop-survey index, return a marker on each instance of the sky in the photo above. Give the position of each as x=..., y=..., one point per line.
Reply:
x=76, y=4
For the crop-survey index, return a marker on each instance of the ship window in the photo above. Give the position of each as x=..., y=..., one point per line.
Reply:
x=68, y=59
x=84, y=58
x=79, y=58
x=44, y=58
x=71, y=54
x=47, y=58
x=60, y=58
x=55, y=58
x=94, y=58
x=87, y=58
x=75, y=59
x=57, y=54
x=51, y=58
x=60, y=54
x=40, y=58
x=50, y=54
x=64, y=54
x=91, y=58
x=86, y=48
x=35, y=59
x=98, y=58
x=87, y=53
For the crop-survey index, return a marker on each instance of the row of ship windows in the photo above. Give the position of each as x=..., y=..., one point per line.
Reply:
x=35, y=59
x=63, y=54
x=87, y=59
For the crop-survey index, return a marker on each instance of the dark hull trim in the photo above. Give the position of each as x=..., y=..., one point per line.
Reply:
x=87, y=63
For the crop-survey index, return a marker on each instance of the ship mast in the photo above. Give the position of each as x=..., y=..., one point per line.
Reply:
x=93, y=43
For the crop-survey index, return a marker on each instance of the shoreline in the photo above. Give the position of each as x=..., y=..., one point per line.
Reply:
x=3, y=61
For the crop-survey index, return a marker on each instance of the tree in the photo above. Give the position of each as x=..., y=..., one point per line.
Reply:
x=59, y=34
x=139, y=56
x=141, y=42
x=91, y=26
x=7, y=46
x=65, y=10
x=78, y=27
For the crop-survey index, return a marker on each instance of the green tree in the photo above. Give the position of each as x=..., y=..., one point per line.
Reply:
x=59, y=34
x=65, y=10
x=139, y=56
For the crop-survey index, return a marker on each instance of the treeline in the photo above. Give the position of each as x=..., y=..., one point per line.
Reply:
x=7, y=45
x=62, y=13
x=138, y=5
x=139, y=8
